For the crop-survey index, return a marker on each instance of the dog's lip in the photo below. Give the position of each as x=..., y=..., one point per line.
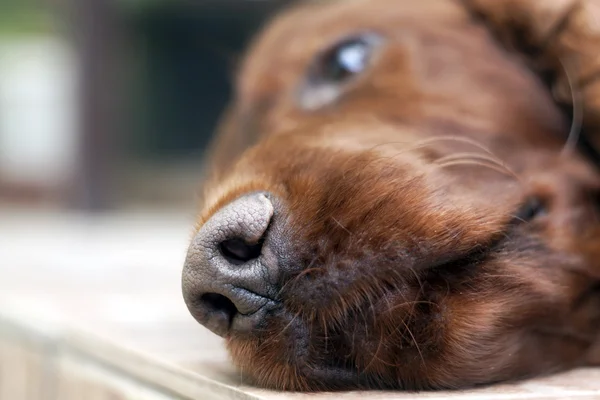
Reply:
x=477, y=253
x=482, y=250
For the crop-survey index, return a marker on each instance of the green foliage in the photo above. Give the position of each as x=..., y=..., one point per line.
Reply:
x=18, y=4
x=24, y=17
x=26, y=24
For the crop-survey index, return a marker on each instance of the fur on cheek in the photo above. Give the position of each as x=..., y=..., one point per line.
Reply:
x=264, y=367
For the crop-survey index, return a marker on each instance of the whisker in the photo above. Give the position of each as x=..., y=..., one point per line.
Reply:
x=406, y=303
x=306, y=271
x=421, y=289
x=577, y=122
x=458, y=139
x=374, y=357
x=324, y=323
x=414, y=341
x=483, y=157
x=341, y=226
x=286, y=327
x=475, y=162
x=435, y=139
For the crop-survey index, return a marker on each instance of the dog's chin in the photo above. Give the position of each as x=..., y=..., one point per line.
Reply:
x=304, y=351
x=289, y=370
x=294, y=353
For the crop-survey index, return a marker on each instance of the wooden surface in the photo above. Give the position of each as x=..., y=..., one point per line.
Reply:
x=90, y=308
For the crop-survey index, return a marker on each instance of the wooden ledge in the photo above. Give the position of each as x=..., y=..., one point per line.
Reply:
x=90, y=308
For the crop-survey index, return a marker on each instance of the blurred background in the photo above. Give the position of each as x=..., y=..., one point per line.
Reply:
x=106, y=109
x=109, y=104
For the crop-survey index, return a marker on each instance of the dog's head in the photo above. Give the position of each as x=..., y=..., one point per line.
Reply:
x=392, y=207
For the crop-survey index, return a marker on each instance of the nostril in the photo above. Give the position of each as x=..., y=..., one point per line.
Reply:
x=230, y=267
x=238, y=252
x=216, y=303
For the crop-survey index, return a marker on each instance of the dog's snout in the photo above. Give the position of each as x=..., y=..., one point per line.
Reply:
x=229, y=272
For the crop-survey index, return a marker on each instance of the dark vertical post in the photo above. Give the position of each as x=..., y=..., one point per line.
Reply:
x=97, y=37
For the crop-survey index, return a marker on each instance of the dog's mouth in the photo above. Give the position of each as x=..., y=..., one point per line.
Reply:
x=346, y=343
x=365, y=291
x=367, y=261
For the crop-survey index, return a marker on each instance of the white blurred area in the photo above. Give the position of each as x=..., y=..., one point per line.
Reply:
x=106, y=109
x=38, y=110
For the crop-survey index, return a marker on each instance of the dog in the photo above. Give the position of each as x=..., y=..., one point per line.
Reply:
x=405, y=195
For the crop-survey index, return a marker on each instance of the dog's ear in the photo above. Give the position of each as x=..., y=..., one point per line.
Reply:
x=560, y=39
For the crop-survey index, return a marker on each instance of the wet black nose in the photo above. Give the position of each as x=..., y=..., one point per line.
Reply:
x=229, y=273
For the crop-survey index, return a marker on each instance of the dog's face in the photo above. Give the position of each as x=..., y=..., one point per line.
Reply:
x=403, y=215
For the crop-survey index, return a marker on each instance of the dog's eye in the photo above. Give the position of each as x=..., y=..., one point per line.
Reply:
x=531, y=209
x=335, y=67
x=344, y=60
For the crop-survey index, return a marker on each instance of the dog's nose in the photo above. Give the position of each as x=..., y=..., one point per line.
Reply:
x=229, y=273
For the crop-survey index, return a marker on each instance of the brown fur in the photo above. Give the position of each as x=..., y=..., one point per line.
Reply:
x=405, y=265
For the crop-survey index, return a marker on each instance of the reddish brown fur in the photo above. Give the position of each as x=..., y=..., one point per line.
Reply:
x=405, y=271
